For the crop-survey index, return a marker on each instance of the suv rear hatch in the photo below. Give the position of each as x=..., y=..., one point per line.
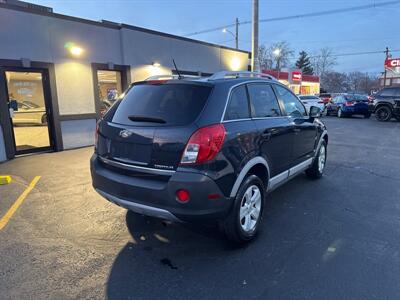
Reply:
x=152, y=123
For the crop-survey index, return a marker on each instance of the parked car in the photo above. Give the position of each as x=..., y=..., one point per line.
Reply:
x=386, y=104
x=310, y=100
x=346, y=105
x=29, y=113
x=325, y=97
x=206, y=149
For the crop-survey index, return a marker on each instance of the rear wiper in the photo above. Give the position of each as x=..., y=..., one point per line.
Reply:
x=146, y=119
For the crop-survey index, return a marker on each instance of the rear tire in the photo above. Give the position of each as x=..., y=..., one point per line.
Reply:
x=383, y=113
x=243, y=221
x=316, y=170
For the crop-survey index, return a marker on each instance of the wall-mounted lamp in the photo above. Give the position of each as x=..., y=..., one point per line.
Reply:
x=235, y=64
x=74, y=49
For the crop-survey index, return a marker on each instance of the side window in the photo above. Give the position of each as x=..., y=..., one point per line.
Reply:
x=263, y=101
x=293, y=106
x=238, y=106
x=387, y=92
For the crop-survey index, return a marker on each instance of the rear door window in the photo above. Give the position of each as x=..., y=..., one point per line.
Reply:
x=174, y=104
x=263, y=101
x=292, y=104
x=238, y=106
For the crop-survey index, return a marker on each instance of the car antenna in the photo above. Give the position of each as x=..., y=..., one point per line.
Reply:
x=176, y=69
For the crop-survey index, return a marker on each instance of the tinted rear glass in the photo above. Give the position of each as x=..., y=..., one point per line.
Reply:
x=356, y=98
x=173, y=104
x=309, y=98
x=325, y=95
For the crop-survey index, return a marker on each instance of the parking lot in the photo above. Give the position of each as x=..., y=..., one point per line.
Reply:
x=333, y=238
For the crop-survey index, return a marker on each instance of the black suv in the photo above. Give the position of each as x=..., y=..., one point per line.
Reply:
x=386, y=104
x=206, y=149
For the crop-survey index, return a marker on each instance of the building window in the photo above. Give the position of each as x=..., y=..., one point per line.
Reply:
x=109, y=88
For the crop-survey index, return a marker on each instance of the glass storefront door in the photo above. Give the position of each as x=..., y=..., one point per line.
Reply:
x=109, y=88
x=28, y=112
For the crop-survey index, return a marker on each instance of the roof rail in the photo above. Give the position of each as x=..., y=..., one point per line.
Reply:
x=239, y=74
x=170, y=76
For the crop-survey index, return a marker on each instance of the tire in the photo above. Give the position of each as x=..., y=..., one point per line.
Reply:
x=340, y=113
x=367, y=116
x=241, y=226
x=317, y=168
x=383, y=113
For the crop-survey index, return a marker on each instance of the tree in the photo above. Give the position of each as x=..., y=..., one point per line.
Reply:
x=304, y=63
x=276, y=56
x=335, y=82
x=323, y=61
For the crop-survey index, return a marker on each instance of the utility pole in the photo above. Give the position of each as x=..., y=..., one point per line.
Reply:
x=237, y=34
x=387, y=57
x=254, y=38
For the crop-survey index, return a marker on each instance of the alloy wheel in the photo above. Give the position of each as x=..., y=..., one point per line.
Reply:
x=321, y=158
x=250, y=208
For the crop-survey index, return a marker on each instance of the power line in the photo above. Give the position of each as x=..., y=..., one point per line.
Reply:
x=356, y=53
x=307, y=15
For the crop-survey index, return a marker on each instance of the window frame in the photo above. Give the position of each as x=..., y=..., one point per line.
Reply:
x=252, y=112
x=283, y=109
x=233, y=88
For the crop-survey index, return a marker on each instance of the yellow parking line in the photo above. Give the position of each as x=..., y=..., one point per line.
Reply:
x=4, y=220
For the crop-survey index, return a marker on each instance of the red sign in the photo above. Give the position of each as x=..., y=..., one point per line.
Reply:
x=392, y=63
x=296, y=76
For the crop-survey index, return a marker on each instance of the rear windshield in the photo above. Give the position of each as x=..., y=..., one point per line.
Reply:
x=356, y=98
x=164, y=104
x=325, y=95
x=309, y=98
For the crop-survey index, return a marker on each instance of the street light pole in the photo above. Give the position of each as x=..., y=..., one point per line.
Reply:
x=384, y=76
x=237, y=34
x=254, y=38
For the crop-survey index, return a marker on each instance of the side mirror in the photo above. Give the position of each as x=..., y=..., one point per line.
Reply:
x=315, y=112
x=14, y=105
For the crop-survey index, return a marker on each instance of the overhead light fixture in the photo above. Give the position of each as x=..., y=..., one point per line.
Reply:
x=156, y=64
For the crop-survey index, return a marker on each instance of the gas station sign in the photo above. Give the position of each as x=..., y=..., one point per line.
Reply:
x=296, y=76
x=392, y=63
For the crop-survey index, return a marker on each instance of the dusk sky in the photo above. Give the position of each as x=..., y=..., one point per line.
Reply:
x=356, y=31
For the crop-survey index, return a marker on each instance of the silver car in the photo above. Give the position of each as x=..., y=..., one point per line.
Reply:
x=29, y=113
x=310, y=100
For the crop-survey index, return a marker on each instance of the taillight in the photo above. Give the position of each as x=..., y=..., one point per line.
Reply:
x=204, y=144
x=349, y=103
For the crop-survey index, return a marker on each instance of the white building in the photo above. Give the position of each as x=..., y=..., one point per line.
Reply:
x=61, y=71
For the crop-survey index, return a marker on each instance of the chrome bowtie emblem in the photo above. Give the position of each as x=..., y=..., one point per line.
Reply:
x=125, y=133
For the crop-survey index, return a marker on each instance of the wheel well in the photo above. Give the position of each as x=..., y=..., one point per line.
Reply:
x=326, y=139
x=261, y=171
x=383, y=104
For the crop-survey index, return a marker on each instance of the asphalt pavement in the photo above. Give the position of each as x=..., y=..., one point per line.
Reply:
x=334, y=238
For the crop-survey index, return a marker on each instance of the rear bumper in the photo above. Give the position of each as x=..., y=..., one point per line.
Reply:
x=154, y=196
x=355, y=110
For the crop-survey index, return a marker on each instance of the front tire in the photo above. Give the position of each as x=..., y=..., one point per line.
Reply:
x=340, y=113
x=316, y=170
x=383, y=113
x=243, y=221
